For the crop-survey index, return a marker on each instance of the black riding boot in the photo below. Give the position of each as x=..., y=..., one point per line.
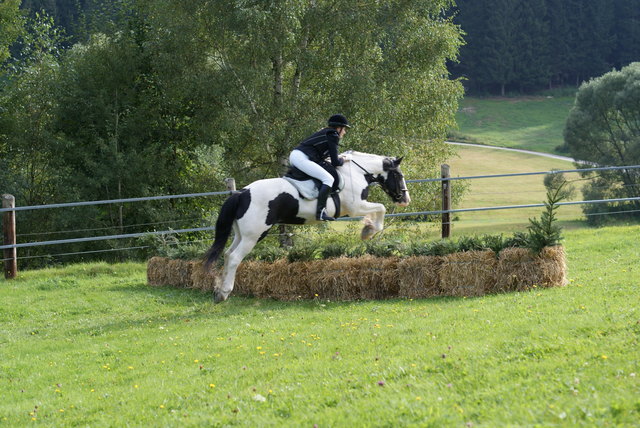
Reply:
x=321, y=212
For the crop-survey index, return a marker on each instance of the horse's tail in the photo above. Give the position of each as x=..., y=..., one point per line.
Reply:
x=224, y=224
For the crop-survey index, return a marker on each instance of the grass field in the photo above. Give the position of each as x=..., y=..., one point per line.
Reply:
x=521, y=190
x=531, y=123
x=92, y=345
x=490, y=192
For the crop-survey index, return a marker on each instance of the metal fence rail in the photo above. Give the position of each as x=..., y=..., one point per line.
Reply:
x=227, y=192
x=105, y=238
x=201, y=229
x=113, y=201
x=210, y=228
x=517, y=174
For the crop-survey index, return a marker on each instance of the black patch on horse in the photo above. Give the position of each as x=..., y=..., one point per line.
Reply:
x=365, y=194
x=244, y=200
x=284, y=209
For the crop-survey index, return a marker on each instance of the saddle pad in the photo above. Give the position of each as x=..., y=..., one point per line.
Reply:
x=306, y=188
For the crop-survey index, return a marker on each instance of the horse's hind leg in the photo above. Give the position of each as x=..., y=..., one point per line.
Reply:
x=240, y=247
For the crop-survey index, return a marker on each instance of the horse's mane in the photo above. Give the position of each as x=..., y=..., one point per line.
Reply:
x=369, y=159
x=364, y=155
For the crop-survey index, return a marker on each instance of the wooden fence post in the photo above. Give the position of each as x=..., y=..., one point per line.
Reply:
x=446, y=201
x=231, y=184
x=9, y=234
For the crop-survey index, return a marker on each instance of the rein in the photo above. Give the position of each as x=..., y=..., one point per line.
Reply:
x=367, y=175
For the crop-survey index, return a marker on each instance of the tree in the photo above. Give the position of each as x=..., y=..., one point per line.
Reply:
x=26, y=111
x=531, y=57
x=627, y=24
x=492, y=35
x=604, y=128
x=559, y=42
x=185, y=91
x=11, y=26
x=120, y=133
x=274, y=71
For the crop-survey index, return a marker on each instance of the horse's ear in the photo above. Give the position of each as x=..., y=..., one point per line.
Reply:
x=397, y=161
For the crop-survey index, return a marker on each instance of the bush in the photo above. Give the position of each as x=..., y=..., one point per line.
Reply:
x=302, y=252
x=495, y=243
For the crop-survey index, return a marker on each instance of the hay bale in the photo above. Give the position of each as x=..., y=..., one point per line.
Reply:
x=290, y=281
x=178, y=273
x=419, y=277
x=381, y=278
x=471, y=273
x=253, y=278
x=335, y=279
x=468, y=273
x=519, y=269
x=341, y=278
x=157, y=271
x=553, y=264
x=345, y=278
x=202, y=279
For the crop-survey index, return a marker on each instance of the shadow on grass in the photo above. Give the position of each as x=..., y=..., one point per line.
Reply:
x=240, y=305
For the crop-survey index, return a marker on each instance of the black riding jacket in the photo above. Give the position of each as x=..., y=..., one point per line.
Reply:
x=321, y=145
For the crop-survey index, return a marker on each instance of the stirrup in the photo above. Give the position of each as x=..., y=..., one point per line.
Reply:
x=323, y=216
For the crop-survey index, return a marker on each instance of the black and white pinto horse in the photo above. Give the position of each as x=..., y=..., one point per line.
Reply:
x=252, y=211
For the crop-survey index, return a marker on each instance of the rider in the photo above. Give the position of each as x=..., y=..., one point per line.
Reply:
x=310, y=154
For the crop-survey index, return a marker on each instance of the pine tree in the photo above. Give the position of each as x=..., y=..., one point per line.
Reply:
x=545, y=232
x=559, y=42
x=627, y=25
x=531, y=58
x=488, y=59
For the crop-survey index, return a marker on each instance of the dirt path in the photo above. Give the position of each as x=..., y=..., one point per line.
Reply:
x=548, y=155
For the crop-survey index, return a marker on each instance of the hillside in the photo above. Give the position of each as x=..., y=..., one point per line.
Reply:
x=531, y=123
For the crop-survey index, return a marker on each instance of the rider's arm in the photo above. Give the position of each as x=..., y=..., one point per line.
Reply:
x=333, y=139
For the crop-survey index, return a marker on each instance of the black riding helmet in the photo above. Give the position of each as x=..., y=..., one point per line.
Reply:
x=339, y=120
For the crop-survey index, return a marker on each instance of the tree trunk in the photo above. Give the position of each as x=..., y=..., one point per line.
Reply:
x=277, y=80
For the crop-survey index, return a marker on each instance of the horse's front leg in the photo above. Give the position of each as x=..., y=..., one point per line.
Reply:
x=373, y=220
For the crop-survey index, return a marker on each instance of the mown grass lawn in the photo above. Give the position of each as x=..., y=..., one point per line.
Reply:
x=93, y=345
x=531, y=123
x=505, y=191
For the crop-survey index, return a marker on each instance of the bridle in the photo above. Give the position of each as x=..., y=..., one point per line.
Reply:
x=393, y=174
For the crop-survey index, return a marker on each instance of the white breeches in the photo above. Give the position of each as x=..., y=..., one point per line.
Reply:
x=302, y=162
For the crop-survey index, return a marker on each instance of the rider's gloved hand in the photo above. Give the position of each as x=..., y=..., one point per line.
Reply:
x=346, y=157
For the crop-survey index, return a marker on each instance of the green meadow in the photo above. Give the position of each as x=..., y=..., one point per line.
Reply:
x=532, y=123
x=501, y=191
x=93, y=345
x=504, y=191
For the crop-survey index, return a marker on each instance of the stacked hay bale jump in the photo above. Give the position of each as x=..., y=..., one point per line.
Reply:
x=471, y=273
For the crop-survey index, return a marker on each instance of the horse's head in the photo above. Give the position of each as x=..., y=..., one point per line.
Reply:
x=393, y=184
x=384, y=171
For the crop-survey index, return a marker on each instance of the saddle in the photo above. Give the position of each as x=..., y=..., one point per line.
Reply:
x=308, y=186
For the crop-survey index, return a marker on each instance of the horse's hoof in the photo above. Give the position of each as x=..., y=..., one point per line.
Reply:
x=367, y=233
x=218, y=297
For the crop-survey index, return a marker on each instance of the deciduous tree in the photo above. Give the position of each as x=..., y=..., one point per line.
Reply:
x=604, y=128
x=11, y=26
